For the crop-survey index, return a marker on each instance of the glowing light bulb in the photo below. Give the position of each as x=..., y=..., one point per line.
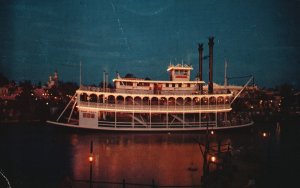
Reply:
x=264, y=134
x=213, y=159
x=91, y=158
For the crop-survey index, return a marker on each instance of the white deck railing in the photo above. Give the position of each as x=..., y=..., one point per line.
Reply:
x=150, y=92
x=155, y=108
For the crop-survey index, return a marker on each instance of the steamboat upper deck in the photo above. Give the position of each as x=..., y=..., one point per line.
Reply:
x=110, y=100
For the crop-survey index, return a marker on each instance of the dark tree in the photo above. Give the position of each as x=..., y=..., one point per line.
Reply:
x=286, y=92
x=3, y=80
x=129, y=75
x=25, y=101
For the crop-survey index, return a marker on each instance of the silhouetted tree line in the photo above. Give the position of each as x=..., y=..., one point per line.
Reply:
x=28, y=106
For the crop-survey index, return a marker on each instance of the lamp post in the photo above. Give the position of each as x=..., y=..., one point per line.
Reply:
x=91, y=159
x=205, y=154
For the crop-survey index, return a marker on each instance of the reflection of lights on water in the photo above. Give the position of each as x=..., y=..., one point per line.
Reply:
x=120, y=153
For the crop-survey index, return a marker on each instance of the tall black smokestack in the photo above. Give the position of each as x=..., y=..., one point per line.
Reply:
x=200, y=50
x=210, y=81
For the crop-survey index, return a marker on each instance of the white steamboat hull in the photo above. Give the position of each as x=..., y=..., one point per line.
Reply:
x=152, y=129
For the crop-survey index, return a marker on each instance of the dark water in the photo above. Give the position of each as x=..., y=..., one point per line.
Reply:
x=40, y=155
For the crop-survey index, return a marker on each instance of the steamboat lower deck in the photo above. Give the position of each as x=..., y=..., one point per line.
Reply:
x=105, y=110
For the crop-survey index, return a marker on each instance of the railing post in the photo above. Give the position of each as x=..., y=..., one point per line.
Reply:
x=91, y=164
x=124, y=184
x=153, y=183
x=205, y=162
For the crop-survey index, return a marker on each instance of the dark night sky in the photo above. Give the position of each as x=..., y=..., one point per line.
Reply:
x=259, y=37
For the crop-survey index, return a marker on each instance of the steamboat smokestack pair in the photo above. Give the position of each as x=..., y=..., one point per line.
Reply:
x=210, y=79
x=210, y=76
x=200, y=49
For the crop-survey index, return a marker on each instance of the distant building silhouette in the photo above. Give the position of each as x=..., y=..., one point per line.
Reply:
x=53, y=80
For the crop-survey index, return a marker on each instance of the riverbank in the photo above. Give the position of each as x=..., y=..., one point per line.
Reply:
x=8, y=122
x=270, y=160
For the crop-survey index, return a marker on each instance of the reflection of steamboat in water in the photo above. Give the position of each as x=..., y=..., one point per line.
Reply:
x=147, y=105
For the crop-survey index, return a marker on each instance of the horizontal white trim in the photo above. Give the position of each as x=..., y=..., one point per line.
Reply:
x=158, y=81
x=151, y=129
x=168, y=95
x=154, y=108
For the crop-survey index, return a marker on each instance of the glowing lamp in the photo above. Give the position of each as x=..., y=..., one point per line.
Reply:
x=91, y=158
x=213, y=159
x=264, y=134
x=212, y=132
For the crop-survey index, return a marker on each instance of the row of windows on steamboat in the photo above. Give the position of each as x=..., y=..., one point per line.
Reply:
x=145, y=84
x=154, y=101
